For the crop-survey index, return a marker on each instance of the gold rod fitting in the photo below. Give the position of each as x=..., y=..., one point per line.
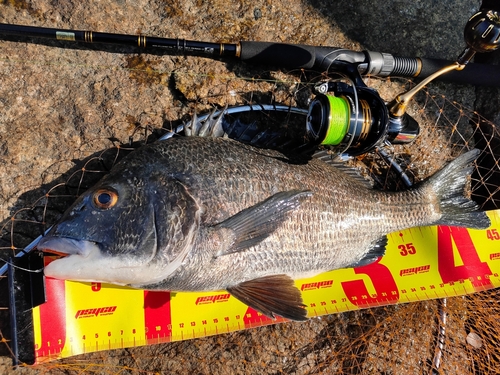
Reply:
x=141, y=41
x=398, y=108
x=87, y=36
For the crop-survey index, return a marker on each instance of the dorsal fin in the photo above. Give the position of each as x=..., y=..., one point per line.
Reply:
x=336, y=161
x=208, y=126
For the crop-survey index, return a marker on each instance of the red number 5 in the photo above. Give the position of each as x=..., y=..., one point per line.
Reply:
x=383, y=283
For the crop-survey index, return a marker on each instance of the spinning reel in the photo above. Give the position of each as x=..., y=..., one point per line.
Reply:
x=354, y=118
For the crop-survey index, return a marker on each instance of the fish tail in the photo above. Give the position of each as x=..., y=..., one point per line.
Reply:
x=449, y=184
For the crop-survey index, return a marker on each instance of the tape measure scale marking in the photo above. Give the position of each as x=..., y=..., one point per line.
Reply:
x=421, y=263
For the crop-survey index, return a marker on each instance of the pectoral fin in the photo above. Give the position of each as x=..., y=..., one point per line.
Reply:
x=252, y=225
x=272, y=295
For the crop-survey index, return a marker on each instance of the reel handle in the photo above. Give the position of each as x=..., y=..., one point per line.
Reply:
x=481, y=33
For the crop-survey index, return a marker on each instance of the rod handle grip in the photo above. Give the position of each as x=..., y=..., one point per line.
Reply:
x=278, y=54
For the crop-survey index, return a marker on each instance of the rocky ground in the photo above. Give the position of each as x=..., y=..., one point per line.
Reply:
x=61, y=103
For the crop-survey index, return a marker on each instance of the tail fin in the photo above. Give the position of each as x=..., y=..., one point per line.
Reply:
x=449, y=184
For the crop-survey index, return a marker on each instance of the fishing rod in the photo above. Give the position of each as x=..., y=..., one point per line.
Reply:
x=351, y=117
x=292, y=56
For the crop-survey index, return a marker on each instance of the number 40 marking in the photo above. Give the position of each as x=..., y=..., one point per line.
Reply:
x=472, y=264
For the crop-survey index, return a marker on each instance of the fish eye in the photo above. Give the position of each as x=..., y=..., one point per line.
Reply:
x=105, y=198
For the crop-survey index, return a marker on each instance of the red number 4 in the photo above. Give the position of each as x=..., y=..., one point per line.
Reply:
x=472, y=268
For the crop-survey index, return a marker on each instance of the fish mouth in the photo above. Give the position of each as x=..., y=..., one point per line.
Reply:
x=83, y=260
x=78, y=261
x=65, y=246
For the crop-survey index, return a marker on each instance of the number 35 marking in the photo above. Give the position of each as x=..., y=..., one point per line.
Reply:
x=407, y=249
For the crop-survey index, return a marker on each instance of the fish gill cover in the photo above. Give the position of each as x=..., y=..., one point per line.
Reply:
x=68, y=115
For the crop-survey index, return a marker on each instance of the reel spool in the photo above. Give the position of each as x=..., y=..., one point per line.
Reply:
x=355, y=120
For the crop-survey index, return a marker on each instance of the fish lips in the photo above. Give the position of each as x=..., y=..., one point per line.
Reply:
x=67, y=246
x=78, y=261
x=84, y=261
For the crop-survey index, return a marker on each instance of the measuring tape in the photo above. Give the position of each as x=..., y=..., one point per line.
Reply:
x=420, y=264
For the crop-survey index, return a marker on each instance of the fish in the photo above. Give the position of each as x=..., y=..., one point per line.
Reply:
x=211, y=213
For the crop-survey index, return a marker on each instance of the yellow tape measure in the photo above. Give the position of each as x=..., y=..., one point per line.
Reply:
x=420, y=264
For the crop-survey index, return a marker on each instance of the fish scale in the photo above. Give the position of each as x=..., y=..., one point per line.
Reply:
x=211, y=213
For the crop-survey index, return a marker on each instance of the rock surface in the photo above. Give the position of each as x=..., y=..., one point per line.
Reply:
x=61, y=103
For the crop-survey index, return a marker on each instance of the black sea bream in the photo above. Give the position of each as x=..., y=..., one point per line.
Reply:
x=201, y=214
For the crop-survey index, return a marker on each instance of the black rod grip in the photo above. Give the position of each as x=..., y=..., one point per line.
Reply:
x=278, y=54
x=297, y=56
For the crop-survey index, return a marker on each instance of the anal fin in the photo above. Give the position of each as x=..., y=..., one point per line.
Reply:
x=271, y=296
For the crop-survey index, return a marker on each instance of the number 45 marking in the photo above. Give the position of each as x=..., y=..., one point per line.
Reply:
x=492, y=234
